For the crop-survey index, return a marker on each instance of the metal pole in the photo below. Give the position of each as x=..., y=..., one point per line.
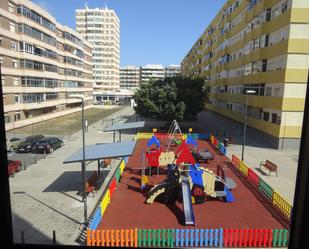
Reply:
x=244, y=135
x=84, y=168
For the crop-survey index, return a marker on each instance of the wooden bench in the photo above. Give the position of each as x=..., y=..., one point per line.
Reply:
x=270, y=166
x=91, y=183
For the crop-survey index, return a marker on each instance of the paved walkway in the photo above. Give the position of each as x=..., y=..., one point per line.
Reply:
x=47, y=196
x=256, y=150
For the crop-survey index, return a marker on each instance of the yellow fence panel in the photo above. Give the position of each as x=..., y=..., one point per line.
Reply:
x=144, y=135
x=282, y=204
x=105, y=202
x=243, y=168
x=212, y=138
x=122, y=165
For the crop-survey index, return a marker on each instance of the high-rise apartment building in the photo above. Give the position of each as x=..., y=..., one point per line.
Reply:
x=42, y=63
x=172, y=71
x=129, y=77
x=101, y=27
x=259, y=45
x=151, y=72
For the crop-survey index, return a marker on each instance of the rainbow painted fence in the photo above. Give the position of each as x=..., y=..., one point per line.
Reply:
x=96, y=217
x=281, y=203
x=188, y=237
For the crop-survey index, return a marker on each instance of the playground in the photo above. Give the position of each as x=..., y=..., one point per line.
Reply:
x=228, y=202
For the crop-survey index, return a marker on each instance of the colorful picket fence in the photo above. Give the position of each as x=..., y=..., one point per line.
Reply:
x=277, y=200
x=121, y=238
x=105, y=200
x=155, y=237
x=218, y=145
x=188, y=237
x=199, y=237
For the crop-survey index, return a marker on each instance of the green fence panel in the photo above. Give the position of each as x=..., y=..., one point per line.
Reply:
x=285, y=237
x=117, y=174
x=164, y=237
x=266, y=189
x=172, y=238
x=149, y=237
x=275, y=237
x=168, y=237
x=139, y=238
x=154, y=237
x=144, y=237
x=159, y=237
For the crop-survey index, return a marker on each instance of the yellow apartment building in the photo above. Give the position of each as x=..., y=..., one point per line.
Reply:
x=259, y=45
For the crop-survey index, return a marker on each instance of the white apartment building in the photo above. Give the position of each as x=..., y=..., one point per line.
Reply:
x=101, y=27
x=172, y=71
x=43, y=63
x=129, y=77
x=152, y=72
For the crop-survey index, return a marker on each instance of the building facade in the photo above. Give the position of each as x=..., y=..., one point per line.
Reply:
x=129, y=77
x=172, y=71
x=42, y=63
x=101, y=27
x=259, y=45
x=151, y=72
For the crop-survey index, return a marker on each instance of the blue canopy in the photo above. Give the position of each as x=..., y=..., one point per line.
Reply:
x=153, y=140
x=190, y=140
x=101, y=151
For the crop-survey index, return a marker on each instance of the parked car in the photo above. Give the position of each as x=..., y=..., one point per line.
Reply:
x=28, y=144
x=14, y=166
x=12, y=143
x=48, y=145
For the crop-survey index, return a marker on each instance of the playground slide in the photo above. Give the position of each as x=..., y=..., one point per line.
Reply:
x=156, y=191
x=187, y=203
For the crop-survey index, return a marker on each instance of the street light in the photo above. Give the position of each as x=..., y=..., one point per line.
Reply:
x=245, y=123
x=78, y=96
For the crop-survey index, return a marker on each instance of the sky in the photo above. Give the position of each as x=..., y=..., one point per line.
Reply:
x=151, y=31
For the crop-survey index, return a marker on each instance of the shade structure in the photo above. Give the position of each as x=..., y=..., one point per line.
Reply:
x=101, y=151
x=126, y=126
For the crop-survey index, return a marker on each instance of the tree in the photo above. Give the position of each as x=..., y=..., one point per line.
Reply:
x=172, y=98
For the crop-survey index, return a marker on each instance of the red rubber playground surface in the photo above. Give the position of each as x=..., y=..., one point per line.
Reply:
x=127, y=208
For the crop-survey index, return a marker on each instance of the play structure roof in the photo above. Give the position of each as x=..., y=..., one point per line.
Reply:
x=101, y=151
x=190, y=140
x=153, y=140
x=126, y=126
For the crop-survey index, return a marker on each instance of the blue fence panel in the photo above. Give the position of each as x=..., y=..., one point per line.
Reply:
x=206, y=237
x=216, y=238
x=196, y=240
x=202, y=237
x=177, y=237
x=96, y=220
x=187, y=237
x=223, y=150
x=211, y=237
x=221, y=237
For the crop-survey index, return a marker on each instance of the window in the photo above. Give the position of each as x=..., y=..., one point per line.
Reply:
x=266, y=116
x=264, y=65
x=275, y=13
x=284, y=7
x=268, y=91
x=274, y=118
x=12, y=27
x=13, y=45
x=15, y=81
x=17, y=117
x=11, y=7
x=7, y=119
x=15, y=63
x=16, y=99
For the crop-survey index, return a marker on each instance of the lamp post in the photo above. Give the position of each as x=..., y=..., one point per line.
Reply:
x=245, y=123
x=84, y=156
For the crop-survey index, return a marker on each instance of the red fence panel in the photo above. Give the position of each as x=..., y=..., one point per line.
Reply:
x=112, y=186
x=247, y=237
x=235, y=161
x=253, y=177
